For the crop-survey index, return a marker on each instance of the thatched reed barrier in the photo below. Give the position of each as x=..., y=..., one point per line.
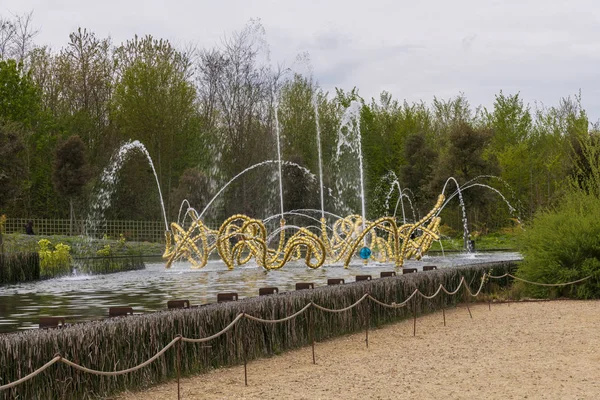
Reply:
x=19, y=267
x=110, y=264
x=124, y=343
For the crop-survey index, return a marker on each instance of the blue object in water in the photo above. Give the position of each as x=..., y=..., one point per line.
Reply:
x=365, y=253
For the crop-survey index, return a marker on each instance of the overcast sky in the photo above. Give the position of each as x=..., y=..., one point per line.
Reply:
x=544, y=49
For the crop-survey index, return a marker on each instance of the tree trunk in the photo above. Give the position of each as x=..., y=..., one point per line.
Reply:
x=71, y=214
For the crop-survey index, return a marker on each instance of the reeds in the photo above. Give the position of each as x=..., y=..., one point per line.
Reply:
x=110, y=264
x=19, y=267
x=125, y=342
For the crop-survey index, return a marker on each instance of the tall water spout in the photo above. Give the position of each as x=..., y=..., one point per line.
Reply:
x=109, y=179
x=353, y=114
x=266, y=162
x=464, y=212
x=316, y=105
x=279, y=158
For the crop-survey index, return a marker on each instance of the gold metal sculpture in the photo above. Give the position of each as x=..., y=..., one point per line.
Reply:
x=412, y=245
x=241, y=239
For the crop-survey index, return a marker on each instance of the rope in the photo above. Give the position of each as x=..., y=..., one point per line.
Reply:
x=31, y=375
x=216, y=335
x=331, y=310
x=274, y=321
x=539, y=283
x=124, y=371
x=393, y=305
x=59, y=358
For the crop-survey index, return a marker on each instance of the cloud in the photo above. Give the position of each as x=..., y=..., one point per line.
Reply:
x=415, y=50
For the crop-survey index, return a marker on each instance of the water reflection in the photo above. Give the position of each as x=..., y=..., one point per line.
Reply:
x=86, y=297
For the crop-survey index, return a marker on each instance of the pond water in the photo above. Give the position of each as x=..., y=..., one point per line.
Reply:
x=87, y=297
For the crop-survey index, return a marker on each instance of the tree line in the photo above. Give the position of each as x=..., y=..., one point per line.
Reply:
x=205, y=115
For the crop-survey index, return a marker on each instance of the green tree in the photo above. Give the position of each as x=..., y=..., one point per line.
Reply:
x=19, y=97
x=71, y=172
x=12, y=165
x=155, y=103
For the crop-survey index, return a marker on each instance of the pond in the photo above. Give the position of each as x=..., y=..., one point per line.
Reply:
x=86, y=297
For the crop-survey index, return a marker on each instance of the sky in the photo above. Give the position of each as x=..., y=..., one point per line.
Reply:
x=542, y=49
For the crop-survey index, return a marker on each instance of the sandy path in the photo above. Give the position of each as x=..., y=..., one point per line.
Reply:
x=527, y=350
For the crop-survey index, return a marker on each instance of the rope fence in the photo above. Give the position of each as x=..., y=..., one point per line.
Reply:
x=485, y=277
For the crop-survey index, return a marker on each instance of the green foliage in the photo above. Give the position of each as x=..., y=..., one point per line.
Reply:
x=12, y=164
x=205, y=116
x=70, y=172
x=563, y=245
x=19, y=97
x=106, y=251
x=54, y=261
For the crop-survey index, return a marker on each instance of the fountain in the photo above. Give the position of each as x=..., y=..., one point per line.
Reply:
x=241, y=238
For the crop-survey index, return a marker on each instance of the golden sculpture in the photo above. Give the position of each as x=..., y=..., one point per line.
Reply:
x=241, y=239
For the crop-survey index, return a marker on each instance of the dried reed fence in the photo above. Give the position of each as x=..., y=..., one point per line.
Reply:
x=19, y=267
x=121, y=343
x=109, y=264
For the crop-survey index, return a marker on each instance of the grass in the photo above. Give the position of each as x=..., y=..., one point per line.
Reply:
x=491, y=241
x=125, y=342
x=81, y=246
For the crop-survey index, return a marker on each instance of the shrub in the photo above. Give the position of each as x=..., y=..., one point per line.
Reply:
x=54, y=262
x=563, y=245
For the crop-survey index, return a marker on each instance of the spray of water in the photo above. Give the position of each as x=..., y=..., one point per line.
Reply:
x=353, y=142
x=279, y=158
x=260, y=164
x=464, y=211
x=316, y=106
x=109, y=180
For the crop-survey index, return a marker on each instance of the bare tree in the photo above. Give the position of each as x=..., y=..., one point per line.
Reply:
x=237, y=92
x=24, y=35
x=7, y=37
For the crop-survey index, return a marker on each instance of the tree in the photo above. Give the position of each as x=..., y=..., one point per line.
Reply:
x=155, y=102
x=16, y=37
x=71, y=171
x=193, y=187
x=238, y=95
x=12, y=164
x=19, y=97
x=421, y=158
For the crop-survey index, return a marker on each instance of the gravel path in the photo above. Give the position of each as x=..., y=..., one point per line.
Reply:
x=548, y=350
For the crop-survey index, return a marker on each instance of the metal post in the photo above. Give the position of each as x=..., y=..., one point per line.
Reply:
x=367, y=322
x=444, y=314
x=415, y=317
x=311, y=328
x=442, y=297
x=245, y=350
x=489, y=285
x=179, y=367
x=467, y=302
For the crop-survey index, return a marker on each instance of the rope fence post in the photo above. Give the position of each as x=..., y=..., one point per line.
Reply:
x=467, y=299
x=244, y=347
x=415, y=316
x=367, y=320
x=489, y=287
x=311, y=330
x=179, y=367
